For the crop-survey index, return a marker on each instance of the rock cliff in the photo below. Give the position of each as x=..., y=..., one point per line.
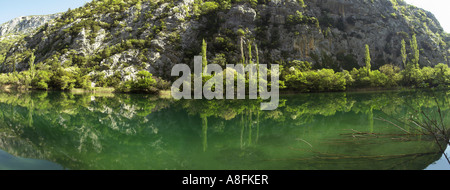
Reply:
x=123, y=37
x=25, y=24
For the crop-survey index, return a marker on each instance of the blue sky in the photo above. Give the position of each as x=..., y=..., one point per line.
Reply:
x=10, y=9
x=440, y=9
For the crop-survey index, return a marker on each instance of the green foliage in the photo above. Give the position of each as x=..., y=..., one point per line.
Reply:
x=299, y=18
x=315, y=81
x=220, y=59
x=253, y=3
x=41, y=80
x=2, y=58
x=394, y=4
x=204, y=54
x=299, y=65
x=367, y=59
x=144, y=83
x=301, y=3
x=63, y=79
x=415, y=50
x=441, y=75
x=403, y=53
x=240, y=32
x=392, y=73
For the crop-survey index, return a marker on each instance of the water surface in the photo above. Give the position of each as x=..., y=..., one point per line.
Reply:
x=326, y=131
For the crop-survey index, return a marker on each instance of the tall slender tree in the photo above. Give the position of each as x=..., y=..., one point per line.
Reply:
x=368, y=59
x=32, y=66
x=250, y=58
x=204, y=52
x=257, y=55
x=416, y=52
x=403, y=52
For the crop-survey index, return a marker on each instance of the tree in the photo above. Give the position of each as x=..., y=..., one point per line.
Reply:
x=41, y=80
x=241, y=34
x=368, y=59
x=32, y=66
x=220, y=59
x=403, y=52
x=415, y=50
x=204, y=59
x=144, y=82
x=257, y=55
x=302, y=3
x=209, y=7
x=250, y=53
x=14, y=64
x=63, y=79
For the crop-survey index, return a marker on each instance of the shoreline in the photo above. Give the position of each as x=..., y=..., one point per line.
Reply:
x=166, y=94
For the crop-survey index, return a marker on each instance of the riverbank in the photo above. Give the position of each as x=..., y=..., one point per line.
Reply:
x=166, y=94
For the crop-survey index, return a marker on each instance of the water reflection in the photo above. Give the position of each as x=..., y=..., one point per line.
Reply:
x=442, y=163
x=308, y=131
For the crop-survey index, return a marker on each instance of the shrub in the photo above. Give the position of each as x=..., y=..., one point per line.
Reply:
x=392, y=73
x=41, y=80
x=63, y=80
x=209, y=7
x=144, y=82
x=316, y=81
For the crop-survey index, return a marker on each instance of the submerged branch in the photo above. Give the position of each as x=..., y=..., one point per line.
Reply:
x=328, y=156
x=381, y=119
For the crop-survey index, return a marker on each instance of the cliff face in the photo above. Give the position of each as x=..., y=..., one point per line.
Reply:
x=382, y=25
x=25, y=24
x=12, y=31
x=123, y=38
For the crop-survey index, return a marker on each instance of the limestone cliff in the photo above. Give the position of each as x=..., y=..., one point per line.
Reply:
x=121, y=38
x=25, y=24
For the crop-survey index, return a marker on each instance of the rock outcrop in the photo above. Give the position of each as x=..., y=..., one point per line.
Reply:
x=25, y=24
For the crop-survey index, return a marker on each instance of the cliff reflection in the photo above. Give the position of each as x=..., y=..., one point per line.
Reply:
x=145, y=132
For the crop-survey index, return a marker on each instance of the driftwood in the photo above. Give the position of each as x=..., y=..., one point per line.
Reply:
x=328, y=156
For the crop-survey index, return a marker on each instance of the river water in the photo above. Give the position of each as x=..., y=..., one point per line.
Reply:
x=324, y=131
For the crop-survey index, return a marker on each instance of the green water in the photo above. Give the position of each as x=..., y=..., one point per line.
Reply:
x=328, y=131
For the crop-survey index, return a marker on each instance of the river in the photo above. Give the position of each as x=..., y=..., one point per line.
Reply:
x=323, y=131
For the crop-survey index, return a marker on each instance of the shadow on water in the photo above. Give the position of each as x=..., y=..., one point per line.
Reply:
x=307, y=132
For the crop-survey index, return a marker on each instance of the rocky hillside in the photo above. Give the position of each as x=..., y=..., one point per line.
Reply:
x=25, y=24
x=13, y=31
x=114, y=39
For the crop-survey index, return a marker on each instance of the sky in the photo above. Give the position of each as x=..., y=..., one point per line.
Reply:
x=10, y=9
x=440, y=9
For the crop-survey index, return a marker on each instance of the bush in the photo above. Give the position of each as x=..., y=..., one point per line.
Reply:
x=315, y=81
x=392, y=73
x=144, y=82
x=377, y=79
x=441, y=75
x=41, y=80
x=63, y=80
x=299, y=18
x=209, y=7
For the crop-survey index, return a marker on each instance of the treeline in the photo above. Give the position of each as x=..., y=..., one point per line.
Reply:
x=55, y=76
x=299, y=75
x=388, y=76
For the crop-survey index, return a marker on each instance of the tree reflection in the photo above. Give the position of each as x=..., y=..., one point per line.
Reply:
x=81, y=132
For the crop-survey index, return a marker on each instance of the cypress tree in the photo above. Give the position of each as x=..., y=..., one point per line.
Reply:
x=368, y=59
x=403, y=52
x=204, y=59
x=257, y=55
x=416, y=52
x=250, y=53
x=32, y=66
